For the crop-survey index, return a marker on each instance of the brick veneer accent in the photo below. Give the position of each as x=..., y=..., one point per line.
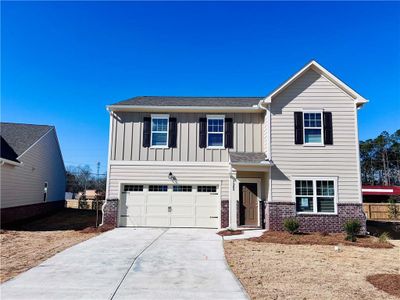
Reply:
x=276, y=212
x=110, y=212
x=224, y=213
x=25, y=212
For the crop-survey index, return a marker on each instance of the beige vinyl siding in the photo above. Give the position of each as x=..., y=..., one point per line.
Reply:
x=314, y=92
x=217, y=174
x=127, y=130
x=23, y=185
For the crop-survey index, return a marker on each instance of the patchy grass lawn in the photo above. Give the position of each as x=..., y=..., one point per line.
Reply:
x=27, y=245
x=283, y=271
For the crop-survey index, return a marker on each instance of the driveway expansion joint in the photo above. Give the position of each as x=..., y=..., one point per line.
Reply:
x=133, y=263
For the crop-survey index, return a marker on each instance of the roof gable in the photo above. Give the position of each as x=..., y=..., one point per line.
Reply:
x=313, y=65
x=17, y=138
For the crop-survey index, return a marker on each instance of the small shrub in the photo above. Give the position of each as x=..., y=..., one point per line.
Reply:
x=384, y=237
x=352, y=228
x=291, y=225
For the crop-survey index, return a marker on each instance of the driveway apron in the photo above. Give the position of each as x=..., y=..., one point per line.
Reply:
x=133, y=263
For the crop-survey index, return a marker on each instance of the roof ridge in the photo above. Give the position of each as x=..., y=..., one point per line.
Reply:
x=201, y=96
x=30, y=124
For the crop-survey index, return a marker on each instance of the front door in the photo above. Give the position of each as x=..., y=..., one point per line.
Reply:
x=248, y=204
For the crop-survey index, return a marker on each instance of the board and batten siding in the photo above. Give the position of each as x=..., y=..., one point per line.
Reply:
x=128, y=173
x=313, y=91
x=24, y=184
x=127, y=133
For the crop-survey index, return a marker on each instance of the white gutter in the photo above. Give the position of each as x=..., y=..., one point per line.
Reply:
x=252, y=109
x=10, y=162
x=264, y=163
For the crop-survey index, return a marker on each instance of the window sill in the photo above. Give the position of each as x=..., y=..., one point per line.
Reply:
x=313, y=145
x=215, y=147
x=316, y=214
x=159, y=147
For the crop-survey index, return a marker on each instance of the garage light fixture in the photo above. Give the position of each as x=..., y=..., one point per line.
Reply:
x=172, y=177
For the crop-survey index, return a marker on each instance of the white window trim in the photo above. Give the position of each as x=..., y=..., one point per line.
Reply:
x=322, y=129
x=217, y=117
x=314, y=196
x=151, y=131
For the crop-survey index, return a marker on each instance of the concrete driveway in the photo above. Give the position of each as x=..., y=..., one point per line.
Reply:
x=129, y=263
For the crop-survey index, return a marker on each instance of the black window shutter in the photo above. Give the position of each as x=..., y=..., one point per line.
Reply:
x=172, y=133
x=203, y=132
x=328, y=132
x=228, y=133
x=146, y=131
x=298, y=127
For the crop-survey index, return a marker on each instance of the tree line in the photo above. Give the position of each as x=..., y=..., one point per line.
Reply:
x=380, y=159
x=81, y=178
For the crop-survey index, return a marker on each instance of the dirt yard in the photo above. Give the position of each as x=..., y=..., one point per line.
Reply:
x=278, y=271
x=27, y=245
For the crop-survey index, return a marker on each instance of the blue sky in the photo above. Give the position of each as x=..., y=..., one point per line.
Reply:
x=63, y=62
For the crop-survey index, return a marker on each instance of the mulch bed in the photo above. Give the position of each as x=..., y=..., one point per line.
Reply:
x=230, y=232
x=281, y=237
x=389, y=283
x=99, y=229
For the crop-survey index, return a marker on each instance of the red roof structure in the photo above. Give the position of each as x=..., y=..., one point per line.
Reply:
x=380, y=190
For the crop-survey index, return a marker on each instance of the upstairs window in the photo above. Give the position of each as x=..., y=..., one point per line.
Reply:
x=315, y=195
x=215, y=131
x=313, y=128
x=159, y=131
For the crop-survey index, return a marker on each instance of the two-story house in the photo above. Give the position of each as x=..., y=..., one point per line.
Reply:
x=222, y=162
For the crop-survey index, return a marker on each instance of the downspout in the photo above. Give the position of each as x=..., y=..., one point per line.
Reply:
x=268, y=154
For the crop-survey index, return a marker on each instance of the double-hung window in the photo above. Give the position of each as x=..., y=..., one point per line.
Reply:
x=313, y=131
x=215, y=131
x=315, y=195
x=159, y=131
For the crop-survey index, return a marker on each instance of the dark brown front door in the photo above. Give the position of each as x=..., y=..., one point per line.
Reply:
x=248, y=204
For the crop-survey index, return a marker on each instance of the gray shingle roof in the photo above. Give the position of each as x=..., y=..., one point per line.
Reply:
x=16, y=138
x=247, y=157
x=191, y=101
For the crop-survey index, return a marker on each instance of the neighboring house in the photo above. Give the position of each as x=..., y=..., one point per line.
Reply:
x=379, y=193
x=238, y=161
x=32, y=171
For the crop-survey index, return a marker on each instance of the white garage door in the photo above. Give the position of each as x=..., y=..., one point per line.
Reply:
x=170, y=206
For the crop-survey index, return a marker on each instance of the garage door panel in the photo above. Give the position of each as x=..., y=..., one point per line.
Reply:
x=205, y=210
x=158, y=200
x=179, y=221
x=131, y=221
x=157, y=210
x=185, y=210
x=162, y=221
x=177, y=200
x=172, y=208
x=207, y=222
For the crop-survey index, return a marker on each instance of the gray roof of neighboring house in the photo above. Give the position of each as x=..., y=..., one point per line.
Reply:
x=191, y=101
x=16, y=138
x=247, y=157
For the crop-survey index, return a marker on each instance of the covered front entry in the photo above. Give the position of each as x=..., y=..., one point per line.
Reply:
x=162, y=205
x=248, y=204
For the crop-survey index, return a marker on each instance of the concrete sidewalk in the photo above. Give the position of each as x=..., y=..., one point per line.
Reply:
x=129, y=263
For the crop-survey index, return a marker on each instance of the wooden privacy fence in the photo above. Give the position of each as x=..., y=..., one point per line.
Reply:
x=378, y=211
x=84, y=204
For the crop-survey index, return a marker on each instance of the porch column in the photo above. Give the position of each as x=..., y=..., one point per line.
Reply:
x=233, y=198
